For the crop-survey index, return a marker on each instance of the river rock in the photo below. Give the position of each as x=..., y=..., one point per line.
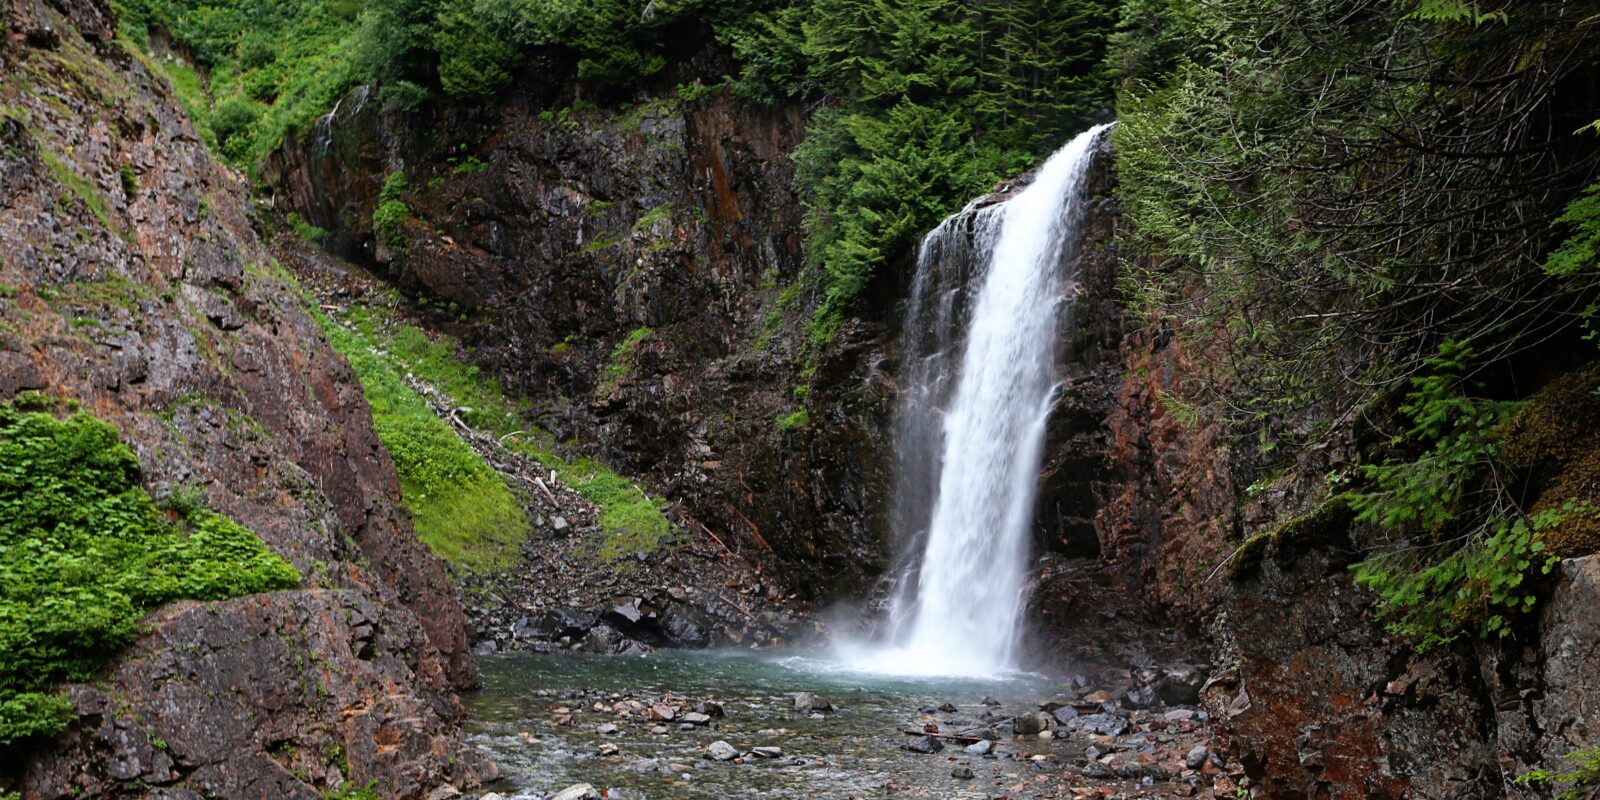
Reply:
x=580, y=791
x=696, y=718
x=1197, y=757
x=1032, y=723
x=661, y=712
x=766, y=752
x=962, y=773
x=608, y=749
x=708, y=708
x=1064, y=714
x=1139, y=697
x=605, y=729
x=721, y=751
x=1103, y=724
x=807, y=702
x=1181, y=685
x=980, y=748
x=927, y=745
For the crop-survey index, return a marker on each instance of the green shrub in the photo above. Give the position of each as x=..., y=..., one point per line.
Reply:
x=85, y=551
x=306, y=230
x=390, y=217
x=1462, y=564
x=1581, y=777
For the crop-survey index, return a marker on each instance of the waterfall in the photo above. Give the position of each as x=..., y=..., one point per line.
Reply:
x=978, y=381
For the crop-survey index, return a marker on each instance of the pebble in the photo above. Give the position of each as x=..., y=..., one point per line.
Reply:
x=963, y=773
x=1197, y=757
x=981, y=747
x=721, y=751
x=609, y=749
x=581, y=791
x=766, y=752
x=927, y=745
x=660, y=729
x=696, y=718
x=605, y=729
x=808, y=702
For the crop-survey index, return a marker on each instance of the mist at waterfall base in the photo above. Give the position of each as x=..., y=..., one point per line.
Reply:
x=978, y=381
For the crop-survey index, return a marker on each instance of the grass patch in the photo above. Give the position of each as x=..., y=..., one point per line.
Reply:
x=305, y=230
x=796, y=420
x=80, y=187
x=620, y=366
x=85, y=551
x=631, y=520
x=461, y=508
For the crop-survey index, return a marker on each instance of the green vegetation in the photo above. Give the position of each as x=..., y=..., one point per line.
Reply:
x=1446, y=485
x=271, y=69
x=350, y=790
x=85, y=552
x=620, y=366
x=1580, y=779
x=306, y=230
x=928, y=101
x=798, y=419
x=1323, y=189
x=461, y=507
x=390, y=217
x=631, y=520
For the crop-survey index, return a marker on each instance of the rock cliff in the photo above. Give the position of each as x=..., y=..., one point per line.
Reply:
x=132, y=283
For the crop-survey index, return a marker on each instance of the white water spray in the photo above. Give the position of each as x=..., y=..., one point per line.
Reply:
x=971, y=432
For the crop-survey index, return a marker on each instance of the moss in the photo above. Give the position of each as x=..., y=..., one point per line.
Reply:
x=631, y=521
x=1328, y=524
x=87, y=551
x=461, y=508
x=798, y=419
x=620, y=366
x=81, y=188
x=1554, y=441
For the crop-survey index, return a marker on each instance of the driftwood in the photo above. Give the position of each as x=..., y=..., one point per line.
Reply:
x=954, y=737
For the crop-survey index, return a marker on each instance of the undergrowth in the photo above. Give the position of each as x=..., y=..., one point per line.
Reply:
x=85, y=551
x=1463, y=556
x=1581, y=777
x=631, y=520
x=461, y=508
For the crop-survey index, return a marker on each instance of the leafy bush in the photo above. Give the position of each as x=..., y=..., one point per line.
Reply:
x=85, y=551
x=1581, y=777
x=1472, y=572
x=390, y=217
x=306, y=230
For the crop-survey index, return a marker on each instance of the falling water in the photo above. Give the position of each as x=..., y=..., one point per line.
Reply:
x=978, y=384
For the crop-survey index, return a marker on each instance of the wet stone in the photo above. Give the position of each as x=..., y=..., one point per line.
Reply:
x=927, y=745
x=721, y=751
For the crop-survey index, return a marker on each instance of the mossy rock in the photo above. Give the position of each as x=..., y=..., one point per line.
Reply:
x=1555, y=442
x=1328, y=524
x=1558, y=426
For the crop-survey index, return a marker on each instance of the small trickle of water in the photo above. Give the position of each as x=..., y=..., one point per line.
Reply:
x=978, y=386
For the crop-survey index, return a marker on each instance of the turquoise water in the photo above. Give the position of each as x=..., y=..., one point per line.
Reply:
x=852, y=752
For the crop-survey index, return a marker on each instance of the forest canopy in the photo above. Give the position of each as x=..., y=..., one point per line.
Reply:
x=921, y=103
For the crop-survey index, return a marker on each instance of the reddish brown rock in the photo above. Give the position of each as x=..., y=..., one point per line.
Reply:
x=134, y=285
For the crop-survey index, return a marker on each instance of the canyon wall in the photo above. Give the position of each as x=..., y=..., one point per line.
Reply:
x=133, y=286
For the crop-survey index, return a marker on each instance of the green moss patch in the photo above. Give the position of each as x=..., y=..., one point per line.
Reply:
x=631, y=521
x=85, y=552
x=461, y=508
x=1328, y=523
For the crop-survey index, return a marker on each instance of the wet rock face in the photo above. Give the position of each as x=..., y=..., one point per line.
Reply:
x=1326, y=705
x=630, y=271
x=132, y=283
x=323, y=679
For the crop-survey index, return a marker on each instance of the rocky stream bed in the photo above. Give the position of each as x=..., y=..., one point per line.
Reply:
x=778, y=725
